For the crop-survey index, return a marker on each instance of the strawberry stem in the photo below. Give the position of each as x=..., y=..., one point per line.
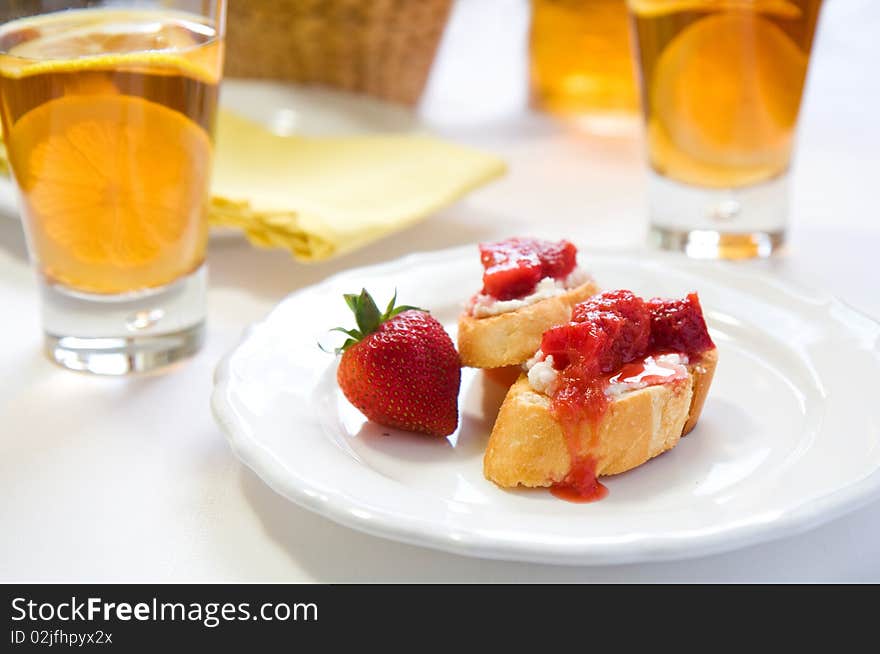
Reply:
x=366, y=313
x=367, y=316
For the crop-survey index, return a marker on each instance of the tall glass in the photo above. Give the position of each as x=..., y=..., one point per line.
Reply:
x=108, y=109
x=581, y=60
x=721, y=88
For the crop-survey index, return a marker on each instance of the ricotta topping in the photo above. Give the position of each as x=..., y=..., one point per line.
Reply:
x=483, y=306
x=543, y=377
x=660, y=369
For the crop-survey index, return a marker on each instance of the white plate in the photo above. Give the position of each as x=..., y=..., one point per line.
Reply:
x=789, y=438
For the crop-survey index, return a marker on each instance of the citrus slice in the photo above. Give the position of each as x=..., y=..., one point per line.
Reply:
x=780, y=8
x=111, y=180
x=726, y=90
x=104, y=39
x=125, y=34
x=198, y=64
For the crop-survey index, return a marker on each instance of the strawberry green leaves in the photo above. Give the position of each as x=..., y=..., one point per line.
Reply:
x=367, y=316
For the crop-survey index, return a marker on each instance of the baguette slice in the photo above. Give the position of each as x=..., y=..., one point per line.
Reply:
x=512, y=338
x=527, y=446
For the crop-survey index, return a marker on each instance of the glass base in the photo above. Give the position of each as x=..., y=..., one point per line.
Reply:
x=124, y=334
x=709, y=244
x=738, y=223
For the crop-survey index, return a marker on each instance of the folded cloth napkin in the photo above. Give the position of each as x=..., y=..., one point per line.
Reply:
x=324, y=196
x=320, y=197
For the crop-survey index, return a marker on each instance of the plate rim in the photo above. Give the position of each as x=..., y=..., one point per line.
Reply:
x=340, y=509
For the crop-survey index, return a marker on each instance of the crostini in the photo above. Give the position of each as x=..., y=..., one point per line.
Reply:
x=617, y=385
x=529, y=285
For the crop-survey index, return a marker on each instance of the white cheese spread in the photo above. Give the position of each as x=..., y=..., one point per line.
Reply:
x=660, y=369
x=483, y=306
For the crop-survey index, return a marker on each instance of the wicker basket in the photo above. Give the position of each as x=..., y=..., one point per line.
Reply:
x=384, y=48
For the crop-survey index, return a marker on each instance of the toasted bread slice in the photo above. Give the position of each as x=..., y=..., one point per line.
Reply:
x=505, y=376
x=512, y=338
x=702, y=372
x=527, y=446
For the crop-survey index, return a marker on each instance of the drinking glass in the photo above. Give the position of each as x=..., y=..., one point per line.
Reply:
x=721, y=84
x=581, y=61
x=108, y=109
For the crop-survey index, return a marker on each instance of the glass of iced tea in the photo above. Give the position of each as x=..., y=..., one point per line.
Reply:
x=108, y=111
x=721, y=85
x=581, y=61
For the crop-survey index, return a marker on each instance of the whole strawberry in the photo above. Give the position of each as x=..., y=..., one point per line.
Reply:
x=400, y=368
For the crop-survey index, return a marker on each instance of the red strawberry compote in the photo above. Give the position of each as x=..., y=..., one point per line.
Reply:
x=616, y=342
x=521, y=271
x=679, y=326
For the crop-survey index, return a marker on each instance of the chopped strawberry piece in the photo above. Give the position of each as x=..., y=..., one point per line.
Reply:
x=625, y=319
x=575, y=342
x=622, y=302
x=614, y=328
x=678, y=325
x=516, y=276
x=558, y=259
x=513, y=267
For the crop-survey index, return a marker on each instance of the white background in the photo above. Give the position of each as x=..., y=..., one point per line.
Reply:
x=131, y=480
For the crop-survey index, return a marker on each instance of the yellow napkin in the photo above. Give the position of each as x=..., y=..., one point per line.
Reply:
x=324, y=196
x=320, y=197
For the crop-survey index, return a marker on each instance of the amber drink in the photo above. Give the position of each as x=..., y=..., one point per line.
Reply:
x=721, y=84
x=108, y=118
x=581, y=61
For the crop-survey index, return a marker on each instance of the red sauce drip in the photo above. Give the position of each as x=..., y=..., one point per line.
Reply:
x=580, y=398
x=581, y=483
x=578, y=405
x=574, y=494
x=513, y=267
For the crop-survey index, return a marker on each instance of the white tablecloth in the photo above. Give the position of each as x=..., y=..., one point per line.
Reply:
x=131, y=480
